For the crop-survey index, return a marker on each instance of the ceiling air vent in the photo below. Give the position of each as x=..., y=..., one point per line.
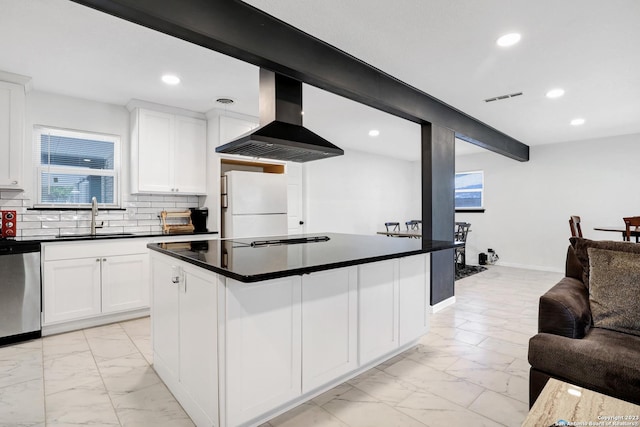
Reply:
x=501, y=97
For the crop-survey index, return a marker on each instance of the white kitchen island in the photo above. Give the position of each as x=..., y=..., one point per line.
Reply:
x=242, y=333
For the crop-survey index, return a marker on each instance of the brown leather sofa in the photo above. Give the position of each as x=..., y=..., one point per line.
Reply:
x=569, y=348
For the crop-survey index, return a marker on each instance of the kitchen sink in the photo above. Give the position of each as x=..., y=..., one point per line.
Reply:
x=96, y=236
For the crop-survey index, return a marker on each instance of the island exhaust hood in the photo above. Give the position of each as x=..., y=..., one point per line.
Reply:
x=281, y=135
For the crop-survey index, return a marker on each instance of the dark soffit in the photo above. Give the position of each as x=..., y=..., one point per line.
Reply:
x=241, y=31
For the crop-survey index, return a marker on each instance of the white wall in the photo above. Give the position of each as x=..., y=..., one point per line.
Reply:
x=141, y=211
x=528, y=204
x=359, y=192
x=66, y=112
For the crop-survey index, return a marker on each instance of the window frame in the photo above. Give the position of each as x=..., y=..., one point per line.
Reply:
x=39, y=168
x=466, y=190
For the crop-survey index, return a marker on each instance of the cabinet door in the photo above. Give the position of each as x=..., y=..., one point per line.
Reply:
x=12, y=107
x=155, y=151
x=232, y=127
x=164, y=316
x=125, y=282
x=329, y=326
x=198, y=343
x=378, y=309
x=413, y=284
x=263, y=354
x=71, y=289
x=190, y=156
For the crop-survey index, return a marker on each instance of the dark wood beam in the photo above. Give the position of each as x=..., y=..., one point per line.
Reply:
x=239, y=30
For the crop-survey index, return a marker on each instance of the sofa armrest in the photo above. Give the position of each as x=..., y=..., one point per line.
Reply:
x=564, y=309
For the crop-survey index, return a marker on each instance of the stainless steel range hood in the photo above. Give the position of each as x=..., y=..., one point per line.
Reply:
x=281, y=135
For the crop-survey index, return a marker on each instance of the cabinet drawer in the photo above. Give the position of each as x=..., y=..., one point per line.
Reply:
x=102, y=248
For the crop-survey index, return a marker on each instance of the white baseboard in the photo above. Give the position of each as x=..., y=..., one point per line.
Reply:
x=443, y=304
x=74, y=325
x=529, y=267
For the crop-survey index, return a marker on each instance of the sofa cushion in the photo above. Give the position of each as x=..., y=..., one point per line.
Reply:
x=581, y=247
x=614, y=290
x=605, y=361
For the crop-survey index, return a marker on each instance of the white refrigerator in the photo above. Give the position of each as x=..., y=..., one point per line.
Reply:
x=254, y=204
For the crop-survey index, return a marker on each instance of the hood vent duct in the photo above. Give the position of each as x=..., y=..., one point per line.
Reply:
x=281, y=135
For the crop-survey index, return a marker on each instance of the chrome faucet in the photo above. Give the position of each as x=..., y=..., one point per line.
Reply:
x=94, y=214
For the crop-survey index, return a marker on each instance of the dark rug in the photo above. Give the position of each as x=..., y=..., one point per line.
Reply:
x=468, y=270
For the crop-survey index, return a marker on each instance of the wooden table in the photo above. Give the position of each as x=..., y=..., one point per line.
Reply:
x=623, y=230
x=560, y=401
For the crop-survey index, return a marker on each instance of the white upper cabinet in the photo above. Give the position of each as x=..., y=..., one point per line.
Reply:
x=233, y=127
x=12, y=109
x=168, y=153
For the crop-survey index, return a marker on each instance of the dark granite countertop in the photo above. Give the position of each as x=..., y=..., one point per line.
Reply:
x=238, y=259
x=103, y=236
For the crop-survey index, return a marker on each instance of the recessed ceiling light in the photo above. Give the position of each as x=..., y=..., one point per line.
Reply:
x=170, y=79
x=555, y=93
x=374, y=132
x=508, y=40
x=577, y=122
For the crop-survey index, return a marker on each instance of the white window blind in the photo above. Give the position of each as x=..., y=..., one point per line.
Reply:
x=74, y=166
x=469, y=190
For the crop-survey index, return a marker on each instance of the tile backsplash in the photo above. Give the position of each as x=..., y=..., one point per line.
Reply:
x=141, y=214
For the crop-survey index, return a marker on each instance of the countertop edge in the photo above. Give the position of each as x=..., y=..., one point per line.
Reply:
x=442, y=245
x=100, y=237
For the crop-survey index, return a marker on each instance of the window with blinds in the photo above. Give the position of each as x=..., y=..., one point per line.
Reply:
x=74, y=166
x=469, y=190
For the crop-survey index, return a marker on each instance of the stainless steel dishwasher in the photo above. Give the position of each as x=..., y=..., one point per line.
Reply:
x=20, y=291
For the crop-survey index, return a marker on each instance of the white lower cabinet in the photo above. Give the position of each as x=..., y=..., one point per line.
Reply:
x=124, y=279
x=263, y=346
x=78, y=288
x=72, y=289
x=329, y=326
x=184, y=335
x=378, y=309
x=393, y=303
x=236, y=354
x=414, y=303
x=85, y=280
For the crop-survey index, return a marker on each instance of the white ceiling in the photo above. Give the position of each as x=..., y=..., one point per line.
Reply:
x=445, y=48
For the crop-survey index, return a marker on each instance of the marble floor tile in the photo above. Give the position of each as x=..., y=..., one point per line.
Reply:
x=331, y=394
x=137, y=328
x=520, y=368
x=358, y=409
x=127, y=374
x=491, y=379
x=500, y=408
x=434, y=360
x=153, y=406
x=308, y=414
x=110, y=346
x=505, y=347
x=80, y=407
x=98, y=331
x=19, y=364
x=22, y=404
x=64, y=344
x=383, y=387
x=427, y=379
x=435, y=411
x=75, y=371
x=144, y=346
